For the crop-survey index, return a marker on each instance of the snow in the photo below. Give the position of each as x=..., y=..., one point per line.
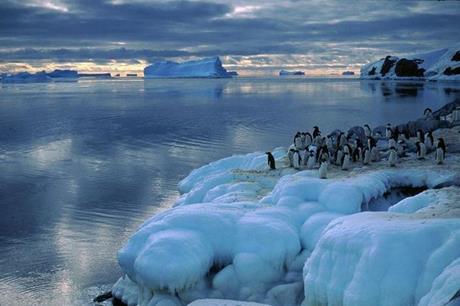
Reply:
x=203, y=68
x=240, y=231
x=220, y=302
x=26, y=77
x=434, y=62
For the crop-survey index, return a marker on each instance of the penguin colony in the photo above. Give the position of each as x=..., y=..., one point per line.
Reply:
x=311, y=150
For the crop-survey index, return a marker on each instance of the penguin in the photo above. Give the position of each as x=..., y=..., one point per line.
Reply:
x=308, y=139
x=367, y=130
x=388, y=131
x=311, y=160
x=296, y=159
x=421, y=150
x=429, y=141
x=392, y=157
x=291, y=156
x=323, y=170
x=270, y=160
x=316, y=132
x=305, y=155
x=339, y=156
x=298, y=142
x=346, y=159
x=323, y=154
x=358, y=151
x=396, y=133
x=302, y=140
x=317, y=141
x=401, y=148
x=329, y=143
x=440, y=151
x=296, y=135
x=342, y=139
x=428, y=113
x=420, y=136
x=367, y=156
x=375, y=154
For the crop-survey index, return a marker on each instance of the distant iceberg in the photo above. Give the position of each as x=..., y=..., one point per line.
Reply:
x=58, y=73
x=443, y=64
x=348, y=73
x=26, y=77
x=203, y=68
x=95, y=75
x=286, y=72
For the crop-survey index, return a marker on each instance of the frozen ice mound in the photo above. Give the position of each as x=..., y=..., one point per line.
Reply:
x=205, y=68
x=240, y=231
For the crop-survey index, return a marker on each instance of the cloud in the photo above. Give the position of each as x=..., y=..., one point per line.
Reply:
x=344, y=32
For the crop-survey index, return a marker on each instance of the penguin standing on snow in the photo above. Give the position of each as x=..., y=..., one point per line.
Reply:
x=329, y=143
x=324, y=154
x=440, y=151
x=291, y=156
x=323, y=169
x=298, y=142
x=429, y=141
x=302, y=140
x=367, y=130
x=421, y=150
x=392, y=157
x=420, y=136
x=375, y=154
x=296, y=159
x=270, y=160
x=308, y=139
x=342, y=139
x=388, y=131
x=358, y=151
x=346, y=162
x=339, y=156
x=401, y=148
x=311, y=160
x=316, y=132
x=367, y=156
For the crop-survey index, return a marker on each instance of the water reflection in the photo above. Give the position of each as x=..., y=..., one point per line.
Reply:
x=82, y=165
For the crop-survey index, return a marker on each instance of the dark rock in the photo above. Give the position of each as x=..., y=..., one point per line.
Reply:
x=118, y=302
x=450, y=71
x=102, y=297
x=456, y=56
x=408, y=68
x=446, y=109
x=387, y=64
x=372, y=72
x=357, y=132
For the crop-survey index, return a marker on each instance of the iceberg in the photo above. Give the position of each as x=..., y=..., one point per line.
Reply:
x=242, y=232
x=286, y=72
x=203, y=68
x=58, y=73
x=26, y=77
x=442, y=64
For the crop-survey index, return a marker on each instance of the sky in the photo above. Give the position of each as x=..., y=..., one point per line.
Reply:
x=251, y=36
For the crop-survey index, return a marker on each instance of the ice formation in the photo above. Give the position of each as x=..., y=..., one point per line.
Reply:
x=283, y=237
x=203, y=68
x=443, y=64
x=286, y=72
x=26, y=77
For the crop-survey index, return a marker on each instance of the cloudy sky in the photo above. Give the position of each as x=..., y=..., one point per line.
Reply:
x=253, y=37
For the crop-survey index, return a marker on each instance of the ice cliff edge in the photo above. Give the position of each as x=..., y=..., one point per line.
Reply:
x=203, y=68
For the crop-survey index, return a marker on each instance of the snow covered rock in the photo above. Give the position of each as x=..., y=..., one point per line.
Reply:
x=440, y=64
x=203, y=68
x=26, y=77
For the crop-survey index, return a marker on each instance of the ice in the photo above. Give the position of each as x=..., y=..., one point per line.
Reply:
x=26, y=77
x=205, y=68
x=58, y=73
x=434, y=64
x=243, y=232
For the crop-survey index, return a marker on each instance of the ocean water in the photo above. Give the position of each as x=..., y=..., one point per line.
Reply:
x=82, y=165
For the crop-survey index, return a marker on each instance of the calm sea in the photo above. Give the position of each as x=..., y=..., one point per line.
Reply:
x=82, y=165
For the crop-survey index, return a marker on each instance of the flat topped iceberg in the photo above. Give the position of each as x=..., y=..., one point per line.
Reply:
x=442, y=64
x=59, y=73
x=286, y=72
x=203, y=68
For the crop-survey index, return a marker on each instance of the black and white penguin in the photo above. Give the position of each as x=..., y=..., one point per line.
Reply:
x=392, y=157
x=323, y=169
x=391, y=143
x=440, y=151
x=302, y=139
x=298, y=142
x=375, y=154
x=421, y=150
x=367, y=130
x=342, y=140
x=388, y=131
x=291, y=155
x=296, y=159
x=401, y=148
x=346, y=160
x=358, y=151
x=420, y=136
x=396, y=133
x=270, y=160
x=429, y=141
x=339, y=156
x=367, y=156
x=311, y=160
x=296, y=135
x=329, y=143
x=324, y=154
x=428, y=113
x=316, y=132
